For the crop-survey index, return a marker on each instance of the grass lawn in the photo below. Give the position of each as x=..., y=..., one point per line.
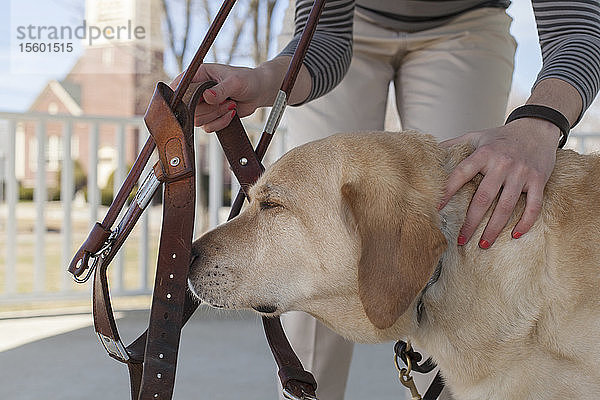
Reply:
x=55, y=273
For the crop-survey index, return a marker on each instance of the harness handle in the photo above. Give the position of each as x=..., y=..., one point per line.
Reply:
x=156, y=349
x=94, y=242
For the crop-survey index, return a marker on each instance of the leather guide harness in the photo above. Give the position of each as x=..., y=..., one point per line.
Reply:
x=152, y=357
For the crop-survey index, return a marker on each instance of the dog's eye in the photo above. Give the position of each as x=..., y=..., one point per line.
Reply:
x=265, y=205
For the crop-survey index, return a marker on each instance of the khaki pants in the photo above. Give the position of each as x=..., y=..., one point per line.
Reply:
x=448, y=80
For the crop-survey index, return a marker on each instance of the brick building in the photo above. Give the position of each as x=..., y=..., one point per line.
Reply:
x=112, y=78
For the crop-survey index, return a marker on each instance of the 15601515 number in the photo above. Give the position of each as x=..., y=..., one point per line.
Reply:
x=46, y=47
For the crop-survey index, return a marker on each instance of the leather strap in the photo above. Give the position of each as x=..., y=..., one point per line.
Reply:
x=173, y=134
x=293, y=377
x=156, y=375
x=166, y=316
x=155, y=378
x=81, y=259
x=240, y=154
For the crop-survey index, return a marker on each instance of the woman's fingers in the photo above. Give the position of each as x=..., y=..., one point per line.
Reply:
x=481, y=202
x=503, y=210
x=533, y=207
x=206, y=113
x=463, y=173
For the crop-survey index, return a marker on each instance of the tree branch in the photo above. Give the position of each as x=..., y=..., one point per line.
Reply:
x=254, y=5
x=207, y=14
x=235, y=41
x=186, y=34
x=171, y=35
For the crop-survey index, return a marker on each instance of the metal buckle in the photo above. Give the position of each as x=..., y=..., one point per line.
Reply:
x=142, y=198
x=305, y=396
x=89, y=272
x=113, y=348
x=97, y=256
x=276, y=113
x=147, y=189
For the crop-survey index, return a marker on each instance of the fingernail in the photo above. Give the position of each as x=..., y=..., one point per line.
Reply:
x=441, y=205
x=231, y=106
x=212, y=92
x=484, y=244
x=461, y=240
x=516, y=235
x=233, y=114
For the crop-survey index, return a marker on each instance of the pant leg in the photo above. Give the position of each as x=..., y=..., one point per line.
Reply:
x=358, y=103
x=457, y=78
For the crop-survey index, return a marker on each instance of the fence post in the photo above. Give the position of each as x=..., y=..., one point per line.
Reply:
x=215, y=181
x=92, y=180
x=66, y=198
x=40, y=196
x=11, y=218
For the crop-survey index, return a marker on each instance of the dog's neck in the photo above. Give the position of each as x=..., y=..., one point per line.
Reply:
x=451, y=218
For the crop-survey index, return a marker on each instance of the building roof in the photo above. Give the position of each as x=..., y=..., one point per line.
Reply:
x=70, y=98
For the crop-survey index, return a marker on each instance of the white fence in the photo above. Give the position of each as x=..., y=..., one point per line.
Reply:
x=38, y=238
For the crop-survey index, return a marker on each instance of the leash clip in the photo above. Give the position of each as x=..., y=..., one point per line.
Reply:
x=404, y=373
x=100, y=254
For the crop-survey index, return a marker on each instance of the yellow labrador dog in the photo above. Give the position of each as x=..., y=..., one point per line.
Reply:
x=347, y=229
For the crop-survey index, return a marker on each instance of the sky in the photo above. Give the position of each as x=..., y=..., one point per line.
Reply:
x=18, y=89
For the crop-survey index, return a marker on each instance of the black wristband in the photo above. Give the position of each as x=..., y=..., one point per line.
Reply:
x=543, y=112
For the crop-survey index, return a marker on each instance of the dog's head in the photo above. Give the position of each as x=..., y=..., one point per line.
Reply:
x=344, y=228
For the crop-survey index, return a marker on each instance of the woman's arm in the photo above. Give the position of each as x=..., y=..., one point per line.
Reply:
x=241, y=90
x=330, y=51
x=519, y=157
x=569, y=33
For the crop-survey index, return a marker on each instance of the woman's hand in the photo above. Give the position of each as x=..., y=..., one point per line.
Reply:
x=515, y=158
x=238, y=91
x=241, y=90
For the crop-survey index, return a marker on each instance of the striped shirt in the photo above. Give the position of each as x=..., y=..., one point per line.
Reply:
x=569, y=34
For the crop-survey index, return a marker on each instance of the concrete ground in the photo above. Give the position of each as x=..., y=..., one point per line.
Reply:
x=222, y=356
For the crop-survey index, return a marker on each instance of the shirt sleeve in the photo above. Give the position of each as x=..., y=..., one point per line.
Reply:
x=330, y=51
x=569, y=33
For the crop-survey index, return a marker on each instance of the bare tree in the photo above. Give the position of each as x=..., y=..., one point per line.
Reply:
x=253, y=17
x=262, y=19
x=177, y=50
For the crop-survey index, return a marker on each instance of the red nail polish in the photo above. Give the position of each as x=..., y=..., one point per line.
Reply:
x=484, y=244
x=212, y=92
x=231, y=106
x=516, y=235
x=233, y=114
x=461, y=240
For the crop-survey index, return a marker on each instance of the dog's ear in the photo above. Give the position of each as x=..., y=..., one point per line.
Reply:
x=400, y=247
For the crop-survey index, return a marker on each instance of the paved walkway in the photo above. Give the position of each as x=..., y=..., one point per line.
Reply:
x=222, y=356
